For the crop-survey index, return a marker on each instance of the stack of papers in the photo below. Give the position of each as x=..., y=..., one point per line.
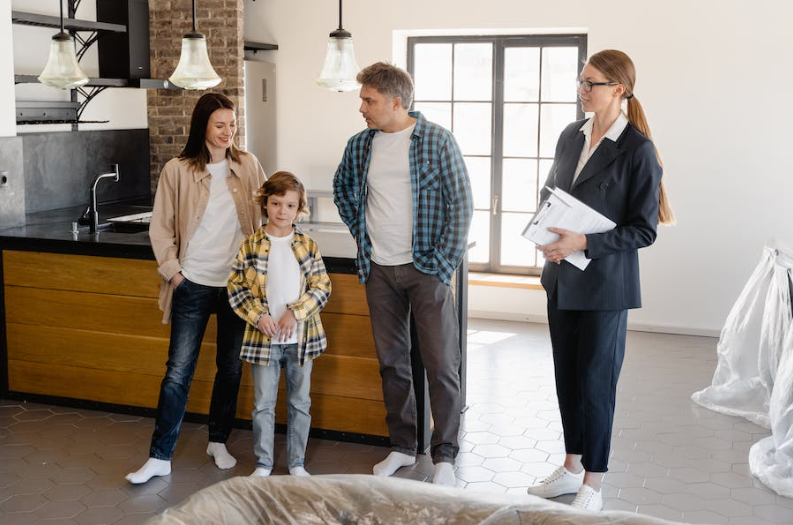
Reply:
x=562, y=210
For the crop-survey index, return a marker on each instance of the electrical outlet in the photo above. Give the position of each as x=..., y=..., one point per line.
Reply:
x=3, y=178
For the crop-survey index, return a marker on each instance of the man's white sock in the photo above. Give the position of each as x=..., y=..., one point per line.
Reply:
x=393, y=462
x=444, y=475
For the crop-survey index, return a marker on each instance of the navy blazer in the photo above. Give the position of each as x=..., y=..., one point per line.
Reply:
x=621, y=180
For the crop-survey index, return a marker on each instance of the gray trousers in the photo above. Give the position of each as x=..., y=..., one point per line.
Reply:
x=392, y=292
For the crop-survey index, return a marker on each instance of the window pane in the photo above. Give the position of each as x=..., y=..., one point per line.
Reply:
x=554, y=118
x=545, y=170
x=432, y=72
x=480, y=234
x=560, y=68
x=472, y=128
x=479, y=171
x=519, y=185
x=473, y=71
x=438, y=112
x=522, y=74
x=516, y=250
x=520, y=130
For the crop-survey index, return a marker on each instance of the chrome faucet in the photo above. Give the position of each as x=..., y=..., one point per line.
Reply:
x=93, y=213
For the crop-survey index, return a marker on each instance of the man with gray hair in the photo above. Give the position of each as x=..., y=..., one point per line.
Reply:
x=402, y=188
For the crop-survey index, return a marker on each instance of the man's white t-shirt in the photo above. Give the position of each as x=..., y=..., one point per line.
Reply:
x=283, y=279
x=216, y=241
x=389, y=204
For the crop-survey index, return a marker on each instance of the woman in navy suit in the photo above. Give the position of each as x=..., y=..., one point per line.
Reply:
x=608, y=162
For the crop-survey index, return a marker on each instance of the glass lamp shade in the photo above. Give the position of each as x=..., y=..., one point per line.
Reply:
x=340, y=68
x=62, y=70
x=194, y=70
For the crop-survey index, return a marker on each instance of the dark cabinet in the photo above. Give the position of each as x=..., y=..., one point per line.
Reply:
x=124, y=55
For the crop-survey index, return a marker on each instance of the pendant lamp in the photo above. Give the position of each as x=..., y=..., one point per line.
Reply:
x=62, y=70
x=194, y=70
x=340, y=68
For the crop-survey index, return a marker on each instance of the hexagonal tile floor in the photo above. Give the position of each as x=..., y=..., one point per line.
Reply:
x=670, y=458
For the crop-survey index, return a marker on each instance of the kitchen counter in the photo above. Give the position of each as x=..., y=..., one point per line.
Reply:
x=81, y=327
x=51, y=231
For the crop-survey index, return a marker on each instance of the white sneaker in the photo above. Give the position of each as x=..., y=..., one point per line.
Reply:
x=588, y=498
x=562, y=481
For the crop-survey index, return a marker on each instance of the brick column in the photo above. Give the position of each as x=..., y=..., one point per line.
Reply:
x=221, y=21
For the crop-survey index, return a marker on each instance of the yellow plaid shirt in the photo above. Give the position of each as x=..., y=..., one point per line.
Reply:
x=247, y=289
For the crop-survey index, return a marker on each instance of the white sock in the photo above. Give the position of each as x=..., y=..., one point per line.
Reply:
x=298, y=471
x=153, y=467
x=261, y=472
x=444, y=474
x=222, y=457
x=392, y=463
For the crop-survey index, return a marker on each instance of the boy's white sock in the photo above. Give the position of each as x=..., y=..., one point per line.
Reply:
x=261, y=472
x=298, y=471
x=153, y=467
x=223, y=459
x=393, y=462
x=444, y=475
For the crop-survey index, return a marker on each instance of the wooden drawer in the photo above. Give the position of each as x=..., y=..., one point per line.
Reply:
x=103, y=275
x=89, y=328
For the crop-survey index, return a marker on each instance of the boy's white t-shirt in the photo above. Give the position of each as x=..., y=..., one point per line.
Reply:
x=216, y=241
x=283, y=279
x=389, y=204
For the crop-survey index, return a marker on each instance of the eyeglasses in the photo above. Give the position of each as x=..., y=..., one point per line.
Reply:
x=587, y=85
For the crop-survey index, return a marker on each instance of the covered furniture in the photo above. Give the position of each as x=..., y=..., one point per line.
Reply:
x=367, y=500
x=754, y=374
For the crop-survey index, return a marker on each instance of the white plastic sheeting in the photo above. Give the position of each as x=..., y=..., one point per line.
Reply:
x=754, y=375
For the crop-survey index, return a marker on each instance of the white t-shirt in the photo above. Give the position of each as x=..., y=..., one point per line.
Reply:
x=283, y=279
x=389, y=205
x=216, y=241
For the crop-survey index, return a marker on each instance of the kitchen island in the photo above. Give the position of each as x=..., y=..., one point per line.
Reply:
x=81, y=327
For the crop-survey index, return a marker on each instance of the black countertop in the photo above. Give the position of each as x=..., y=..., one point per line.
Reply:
x=51, y=231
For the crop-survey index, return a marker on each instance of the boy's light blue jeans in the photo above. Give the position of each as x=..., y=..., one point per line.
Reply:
x=265, y=385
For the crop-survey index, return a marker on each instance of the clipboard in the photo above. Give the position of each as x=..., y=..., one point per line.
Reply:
x=562, y=210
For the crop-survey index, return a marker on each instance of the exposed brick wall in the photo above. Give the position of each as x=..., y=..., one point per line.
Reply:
x=221, y=21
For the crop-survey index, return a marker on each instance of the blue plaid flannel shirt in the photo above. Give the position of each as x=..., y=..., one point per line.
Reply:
x=442, y=200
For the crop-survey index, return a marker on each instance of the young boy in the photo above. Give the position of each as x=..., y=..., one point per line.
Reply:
x=278, y=285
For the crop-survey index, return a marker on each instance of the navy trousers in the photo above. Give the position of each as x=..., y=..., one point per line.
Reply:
x=588, y=350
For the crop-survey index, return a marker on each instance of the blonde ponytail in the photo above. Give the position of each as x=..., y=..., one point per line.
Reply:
x=639, y=121
x=618, y=67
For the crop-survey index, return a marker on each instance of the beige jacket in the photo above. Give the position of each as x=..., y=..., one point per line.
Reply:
x=179, y=204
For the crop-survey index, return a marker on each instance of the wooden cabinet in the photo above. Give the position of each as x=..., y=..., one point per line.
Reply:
x=88, y=328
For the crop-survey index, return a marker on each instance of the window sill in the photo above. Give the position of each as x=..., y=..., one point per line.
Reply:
x=526, y=282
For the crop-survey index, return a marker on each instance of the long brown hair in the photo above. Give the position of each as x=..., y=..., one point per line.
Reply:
x=616, y=66
x=195, y=151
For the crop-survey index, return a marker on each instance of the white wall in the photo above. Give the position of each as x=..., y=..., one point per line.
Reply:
x=713, y=75
x=7, y=116
x=124, y=108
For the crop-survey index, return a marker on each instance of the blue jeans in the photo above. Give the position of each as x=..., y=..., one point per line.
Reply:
x=298, y=386
x=192, y=305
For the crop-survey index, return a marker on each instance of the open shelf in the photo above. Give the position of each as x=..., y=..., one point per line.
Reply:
x=249, y=45
x=33, y=19
x=141, y=83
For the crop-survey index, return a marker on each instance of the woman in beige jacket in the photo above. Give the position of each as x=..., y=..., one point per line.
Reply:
x=203, y=209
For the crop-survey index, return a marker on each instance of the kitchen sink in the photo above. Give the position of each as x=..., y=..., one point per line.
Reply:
x=133, y=223
x=124, y=227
